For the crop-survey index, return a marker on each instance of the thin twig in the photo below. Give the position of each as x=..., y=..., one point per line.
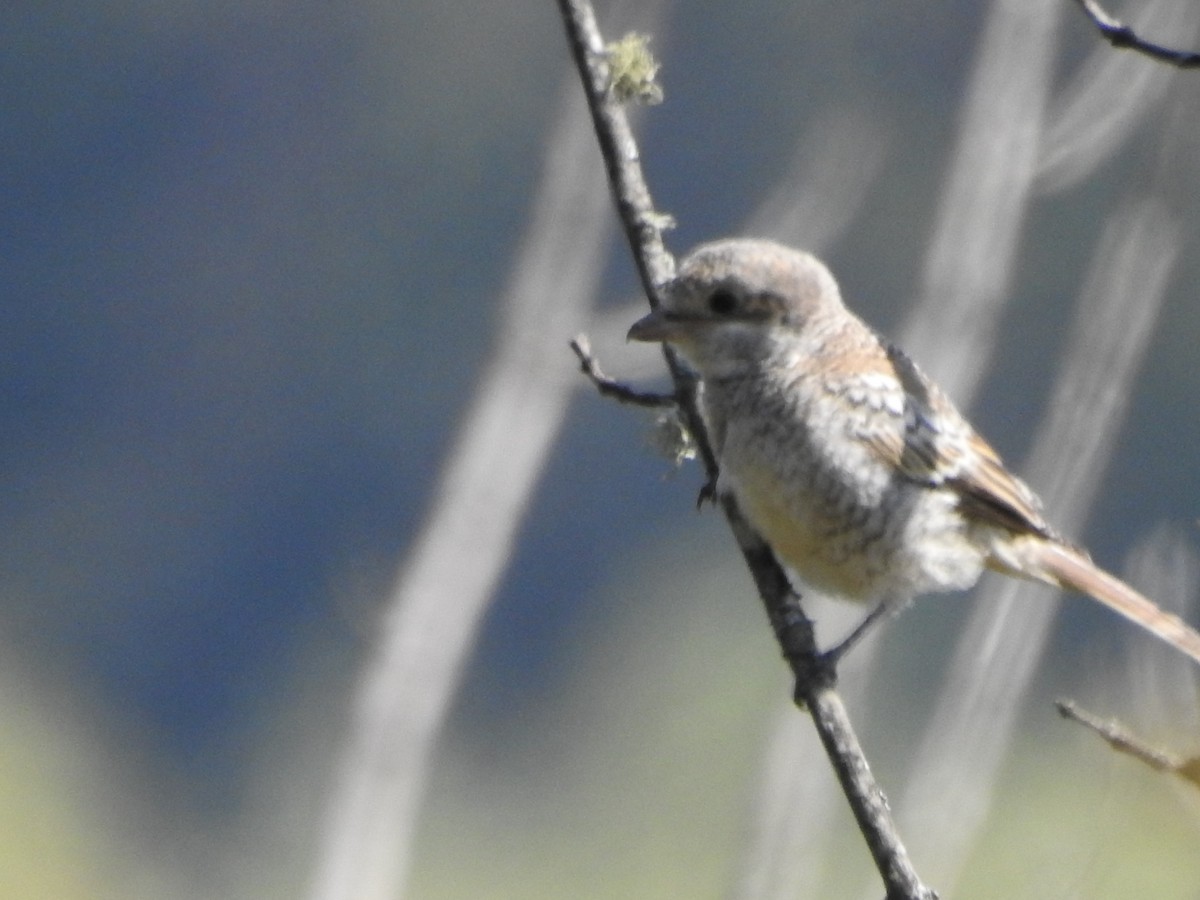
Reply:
x=1119, y=34
x=1119, y=738
x=610, y=387
x=1123, y=741
x=793, y=629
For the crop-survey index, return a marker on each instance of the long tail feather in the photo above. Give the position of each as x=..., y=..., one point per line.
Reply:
x=1068, y=568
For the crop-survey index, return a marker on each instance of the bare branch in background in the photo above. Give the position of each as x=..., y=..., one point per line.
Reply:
x=984, y=203
x=1107, y=102
x=429, y=625
x=1118, y=737
x=792, y=628
x=1124, y=741
x=1119, y=34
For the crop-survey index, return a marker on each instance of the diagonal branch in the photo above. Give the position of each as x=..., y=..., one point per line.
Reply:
x=1122, y=740
x=1118, y=737
x=793, y=630
x=1119, y=34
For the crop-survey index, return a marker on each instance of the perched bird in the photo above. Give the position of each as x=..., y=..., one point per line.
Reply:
x=851, y=463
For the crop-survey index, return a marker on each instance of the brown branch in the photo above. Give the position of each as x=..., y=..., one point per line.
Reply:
x=1117, y=737
x=793, y=629
x=1119, y=34
x=1123, y=741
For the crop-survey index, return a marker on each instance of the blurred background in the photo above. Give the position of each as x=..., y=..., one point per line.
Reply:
x=256, y=264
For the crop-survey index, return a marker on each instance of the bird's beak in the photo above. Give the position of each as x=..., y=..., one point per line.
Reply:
x=657, y=326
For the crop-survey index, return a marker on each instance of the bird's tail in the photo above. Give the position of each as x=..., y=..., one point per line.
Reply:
x=1065, y=567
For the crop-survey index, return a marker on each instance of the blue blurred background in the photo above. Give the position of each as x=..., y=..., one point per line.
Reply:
x=249, y=255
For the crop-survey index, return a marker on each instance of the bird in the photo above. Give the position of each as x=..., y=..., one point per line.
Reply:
x=852, y=464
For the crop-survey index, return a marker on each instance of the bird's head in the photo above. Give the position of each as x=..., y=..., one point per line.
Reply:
x=738, y=304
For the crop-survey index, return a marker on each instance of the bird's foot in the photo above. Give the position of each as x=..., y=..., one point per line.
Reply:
x=708, y=493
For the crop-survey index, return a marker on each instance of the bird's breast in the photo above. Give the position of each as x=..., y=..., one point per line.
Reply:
x=819, y=502
x=835, y=512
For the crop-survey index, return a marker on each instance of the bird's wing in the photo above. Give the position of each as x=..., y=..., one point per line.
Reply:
x=930, y=442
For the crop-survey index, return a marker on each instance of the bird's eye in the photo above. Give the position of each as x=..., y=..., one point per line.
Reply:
x=722, y=302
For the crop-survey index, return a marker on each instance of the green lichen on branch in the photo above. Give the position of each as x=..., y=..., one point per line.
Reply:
x=633, y=70
x=671, y=438
x=661, y=220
